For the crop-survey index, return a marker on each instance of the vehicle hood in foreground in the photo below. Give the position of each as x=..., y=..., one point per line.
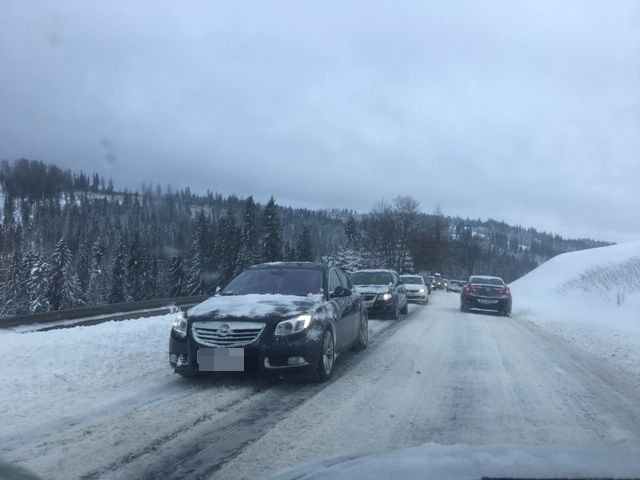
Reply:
x=256, y=306
x=463, y=462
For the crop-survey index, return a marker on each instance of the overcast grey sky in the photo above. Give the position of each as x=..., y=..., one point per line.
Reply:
x=524, y=112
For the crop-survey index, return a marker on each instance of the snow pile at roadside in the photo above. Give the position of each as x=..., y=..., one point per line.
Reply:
x=591, y=297
x=67, y=367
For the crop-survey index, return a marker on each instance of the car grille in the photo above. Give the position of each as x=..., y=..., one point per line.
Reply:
x=226, y=334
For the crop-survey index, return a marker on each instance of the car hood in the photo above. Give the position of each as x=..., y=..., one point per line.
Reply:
x=256, y=306
x=463, y=462
x=372, y=288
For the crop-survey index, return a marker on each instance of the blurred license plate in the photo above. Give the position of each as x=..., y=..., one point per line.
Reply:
x=221, y=359
x=486, y=301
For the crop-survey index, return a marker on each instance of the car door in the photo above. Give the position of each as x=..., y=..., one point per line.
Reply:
x=352, y=312
x=343, y=325
x=401, y=292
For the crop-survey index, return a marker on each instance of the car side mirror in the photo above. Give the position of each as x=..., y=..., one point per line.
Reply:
x=341, y=292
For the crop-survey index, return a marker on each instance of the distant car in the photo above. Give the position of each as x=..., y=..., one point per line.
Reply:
x=455, y=286
x=437, y=281
x=431, y=281
x=445, y=284
x=417, y=290
x=382, y=291
x=275, y=317
x=486, y=293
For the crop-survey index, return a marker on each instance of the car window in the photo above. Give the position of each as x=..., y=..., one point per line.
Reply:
x=412, y=280
x=294, y=281
x=486, y=281
x=372, y=278
x=334, y=280
x=344, y=279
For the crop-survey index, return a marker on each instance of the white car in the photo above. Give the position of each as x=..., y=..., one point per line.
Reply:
x=417, y=290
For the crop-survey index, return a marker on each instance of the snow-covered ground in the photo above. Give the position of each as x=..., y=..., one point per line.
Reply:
x=105, y=391
x=101, y=402
x=590, y=297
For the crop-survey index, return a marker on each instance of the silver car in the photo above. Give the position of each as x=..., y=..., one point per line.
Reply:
x=417, y=291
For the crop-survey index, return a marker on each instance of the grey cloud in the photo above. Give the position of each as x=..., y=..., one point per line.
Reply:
x=522, y=111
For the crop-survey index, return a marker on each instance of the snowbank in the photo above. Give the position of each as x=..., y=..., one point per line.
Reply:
x=590, y=297
x=68, y=367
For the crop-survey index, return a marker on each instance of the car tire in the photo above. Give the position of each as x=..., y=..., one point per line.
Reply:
x=327, y=357
x=190, y=373
x=363, y=334
x=396, y=313
x=405, y=309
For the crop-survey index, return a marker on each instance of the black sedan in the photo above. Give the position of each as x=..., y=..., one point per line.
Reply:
x=486, y=293
x=274, y=317
x=382, y=291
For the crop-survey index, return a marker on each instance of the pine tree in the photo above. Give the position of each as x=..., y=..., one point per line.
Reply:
x=135, y=270
x=352, y=234
x=228, y=246
x=64, y=288
x=38, y=286
x=199, y=257
x=271, y=239
x=149, y=277
x=177, y=277
x=304, y=248
x=96, y=291
x=12, y=285
x=118, y=292
x=249, y=237
x=83, y=270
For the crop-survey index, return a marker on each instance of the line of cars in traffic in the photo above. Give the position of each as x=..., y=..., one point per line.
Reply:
x=288, y=317
x=298, y=317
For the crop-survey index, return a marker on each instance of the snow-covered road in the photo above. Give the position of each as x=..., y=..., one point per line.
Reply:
x=436, y=376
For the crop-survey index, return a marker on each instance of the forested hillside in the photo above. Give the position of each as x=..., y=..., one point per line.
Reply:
x=69, y=239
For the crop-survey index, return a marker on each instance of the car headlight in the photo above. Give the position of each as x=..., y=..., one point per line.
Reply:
x=180, y=324
x=421, y=290
x=293, y=325
x=386, y=296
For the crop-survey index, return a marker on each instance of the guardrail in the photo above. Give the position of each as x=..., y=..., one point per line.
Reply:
x=111, y=311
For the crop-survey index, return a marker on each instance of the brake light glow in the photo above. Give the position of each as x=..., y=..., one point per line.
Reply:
x=505, y=291
x=469, y=289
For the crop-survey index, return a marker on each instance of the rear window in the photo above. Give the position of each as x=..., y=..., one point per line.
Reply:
x=372, y=278
x=412, y=280
x=487, y=281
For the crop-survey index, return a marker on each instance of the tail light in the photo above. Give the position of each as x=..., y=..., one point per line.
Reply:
x=469, y=289
x=505, y=291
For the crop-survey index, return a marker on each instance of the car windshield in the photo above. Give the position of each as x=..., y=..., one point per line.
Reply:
x=371, y=278
x=486, y=281
x=412, y=280
x=281, y=281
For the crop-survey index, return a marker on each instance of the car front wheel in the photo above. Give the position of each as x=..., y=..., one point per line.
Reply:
x=363, y=334
x=327, y=357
